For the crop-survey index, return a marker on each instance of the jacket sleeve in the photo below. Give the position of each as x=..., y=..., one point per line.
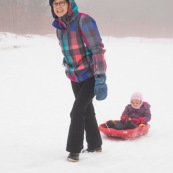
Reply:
x=147, y=113
x=126, y=111
x=93, y=41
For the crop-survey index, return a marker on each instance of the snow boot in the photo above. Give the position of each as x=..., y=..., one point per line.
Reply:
x=92, y=150
x=73, y=157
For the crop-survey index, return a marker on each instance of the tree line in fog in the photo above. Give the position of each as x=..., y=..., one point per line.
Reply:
x=24, y=16
x=119, y=18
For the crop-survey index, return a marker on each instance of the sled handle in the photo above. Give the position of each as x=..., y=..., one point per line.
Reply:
x=142, y=125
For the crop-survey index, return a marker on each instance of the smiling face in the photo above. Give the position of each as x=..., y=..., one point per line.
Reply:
x=136, y=103
x=60, y=7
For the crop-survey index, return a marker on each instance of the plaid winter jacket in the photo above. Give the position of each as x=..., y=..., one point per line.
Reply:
x=81, y=45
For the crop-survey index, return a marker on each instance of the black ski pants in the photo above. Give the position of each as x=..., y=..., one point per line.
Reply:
x=83, y=118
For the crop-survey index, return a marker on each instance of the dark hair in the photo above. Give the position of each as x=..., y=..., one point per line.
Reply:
x=51, y=2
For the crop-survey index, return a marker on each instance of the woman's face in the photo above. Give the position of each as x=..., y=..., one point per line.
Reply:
x=60, y=7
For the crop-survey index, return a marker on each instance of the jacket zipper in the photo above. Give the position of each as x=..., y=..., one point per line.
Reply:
x=70, y=53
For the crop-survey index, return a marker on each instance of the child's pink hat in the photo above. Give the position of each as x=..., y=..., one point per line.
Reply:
x=137, y=96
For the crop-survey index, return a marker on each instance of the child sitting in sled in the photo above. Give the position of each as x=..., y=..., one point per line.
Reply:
x=135, y=113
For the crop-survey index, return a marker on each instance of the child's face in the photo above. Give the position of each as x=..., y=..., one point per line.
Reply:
x=136, y=103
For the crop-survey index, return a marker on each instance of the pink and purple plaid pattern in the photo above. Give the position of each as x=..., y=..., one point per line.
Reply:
x=81, y=45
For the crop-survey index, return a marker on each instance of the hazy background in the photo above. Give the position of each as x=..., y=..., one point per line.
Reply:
x=119, y=18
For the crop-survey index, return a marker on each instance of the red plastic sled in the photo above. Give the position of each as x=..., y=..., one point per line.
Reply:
x=142, y=129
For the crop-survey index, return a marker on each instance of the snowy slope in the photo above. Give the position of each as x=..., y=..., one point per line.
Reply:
x=36, y=98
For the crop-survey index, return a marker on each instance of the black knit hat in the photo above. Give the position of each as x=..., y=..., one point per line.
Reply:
x=51, y=2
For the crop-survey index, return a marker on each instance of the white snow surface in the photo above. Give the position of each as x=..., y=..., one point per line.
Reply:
x=36, y=99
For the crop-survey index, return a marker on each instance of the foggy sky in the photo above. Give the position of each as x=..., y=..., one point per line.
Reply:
x=150, y=18
x=119, y=18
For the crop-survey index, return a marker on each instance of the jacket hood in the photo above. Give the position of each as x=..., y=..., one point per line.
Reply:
x=73, y=8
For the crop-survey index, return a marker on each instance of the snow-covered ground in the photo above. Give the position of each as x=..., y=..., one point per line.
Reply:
x=36, y=98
